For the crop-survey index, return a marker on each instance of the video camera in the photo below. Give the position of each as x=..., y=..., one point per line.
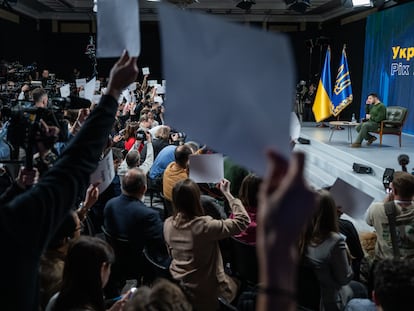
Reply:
x=25, y=130
x=141, y=135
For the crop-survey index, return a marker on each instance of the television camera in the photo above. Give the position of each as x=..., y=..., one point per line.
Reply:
x=26, y=123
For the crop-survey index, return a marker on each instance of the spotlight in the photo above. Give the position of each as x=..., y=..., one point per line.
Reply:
x=298, y=5
x=245, y=4
x=358, y=3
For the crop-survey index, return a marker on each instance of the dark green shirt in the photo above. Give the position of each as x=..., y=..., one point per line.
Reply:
x=377, y=112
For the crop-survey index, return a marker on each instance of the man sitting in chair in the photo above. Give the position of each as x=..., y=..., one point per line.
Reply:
x=375, y=113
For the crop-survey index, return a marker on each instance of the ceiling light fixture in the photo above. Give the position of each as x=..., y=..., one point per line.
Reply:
x=245, y=4
x=358, y=3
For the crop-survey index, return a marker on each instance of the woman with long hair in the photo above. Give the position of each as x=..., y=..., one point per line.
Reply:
x=192, y=240
x=323, y=250
x=86, y=272
x=130, y=134
x=248, y=193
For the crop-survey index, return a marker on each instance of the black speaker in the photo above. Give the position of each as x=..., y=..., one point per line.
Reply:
x=361, y=168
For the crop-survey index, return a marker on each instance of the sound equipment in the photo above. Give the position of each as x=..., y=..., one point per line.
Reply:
x=361, y=168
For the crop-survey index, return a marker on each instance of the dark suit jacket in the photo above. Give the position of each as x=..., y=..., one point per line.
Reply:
x=129, y=218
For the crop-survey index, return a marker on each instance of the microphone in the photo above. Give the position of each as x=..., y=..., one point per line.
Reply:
x=403, y=160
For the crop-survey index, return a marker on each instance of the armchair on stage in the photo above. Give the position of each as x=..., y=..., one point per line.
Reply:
x=394, y=123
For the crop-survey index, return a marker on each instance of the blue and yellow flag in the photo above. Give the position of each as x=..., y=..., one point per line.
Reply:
x=322, y=106
x=342, y=92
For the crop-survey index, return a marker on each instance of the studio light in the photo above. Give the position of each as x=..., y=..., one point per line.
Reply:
x=357, y=3
x=245, y=4
x=298, y=5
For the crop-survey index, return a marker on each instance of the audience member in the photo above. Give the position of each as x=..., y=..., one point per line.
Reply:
x=283, y=196
x=165, y=157
x=127, y=217
x=86, y=272
x=52, y=260
x=192, y=240
x=402, y=189
x=130, y=134
x=393, y=287
x=34, y=216
x=324, y=251
x=132, y=158
x=176, y=171
x=248, y=196
x=161, y=140
x=163, y=295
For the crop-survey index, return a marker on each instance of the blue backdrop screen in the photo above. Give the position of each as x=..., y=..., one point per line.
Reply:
x=389, y=59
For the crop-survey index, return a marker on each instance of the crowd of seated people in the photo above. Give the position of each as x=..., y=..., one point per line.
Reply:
x=296, y=231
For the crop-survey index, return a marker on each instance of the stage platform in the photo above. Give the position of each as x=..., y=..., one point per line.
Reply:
x=327, y=160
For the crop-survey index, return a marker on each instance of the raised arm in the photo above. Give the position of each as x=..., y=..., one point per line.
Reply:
x=285, y=205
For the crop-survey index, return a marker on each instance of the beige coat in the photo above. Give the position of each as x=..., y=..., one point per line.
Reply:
x=196, y=256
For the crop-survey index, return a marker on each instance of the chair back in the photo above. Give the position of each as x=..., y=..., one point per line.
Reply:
x=157, y=265
x=308, y=288
x=244, y=261
x=128, y=259
x=396, y=113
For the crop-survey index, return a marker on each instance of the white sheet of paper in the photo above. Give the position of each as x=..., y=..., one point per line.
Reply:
x=90, y=89
x=160, y=90
x=229, y=69
x=163, y=83
x=294, y=126
x=133, y=86
x=104, y=173
x=145, y=71
x=96, y=98
x=126, y=95
x=118, y=28
x=80, y=82
x=152, y=82
x=353, y=201
x=65, y=90
x=97, y=85
x=206, y=168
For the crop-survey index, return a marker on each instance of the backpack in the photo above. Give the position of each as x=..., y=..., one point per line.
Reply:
x=401, y=230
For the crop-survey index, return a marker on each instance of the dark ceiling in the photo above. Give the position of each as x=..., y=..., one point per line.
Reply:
x=261, y=11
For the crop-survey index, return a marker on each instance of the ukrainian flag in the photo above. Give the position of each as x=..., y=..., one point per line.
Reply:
x=342, y=92
x=322, y=106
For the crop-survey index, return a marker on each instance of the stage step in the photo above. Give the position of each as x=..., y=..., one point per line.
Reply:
x=325, y=163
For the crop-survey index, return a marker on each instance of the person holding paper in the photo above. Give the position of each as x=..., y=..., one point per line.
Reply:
x=28, y=221
x=192, y=241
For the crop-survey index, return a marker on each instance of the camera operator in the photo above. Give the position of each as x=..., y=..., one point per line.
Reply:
x=45, y=77
x=28, y=221
x=24, y=92
x=40, y=97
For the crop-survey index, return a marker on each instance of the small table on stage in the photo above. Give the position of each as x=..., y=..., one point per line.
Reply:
x=337, y=124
